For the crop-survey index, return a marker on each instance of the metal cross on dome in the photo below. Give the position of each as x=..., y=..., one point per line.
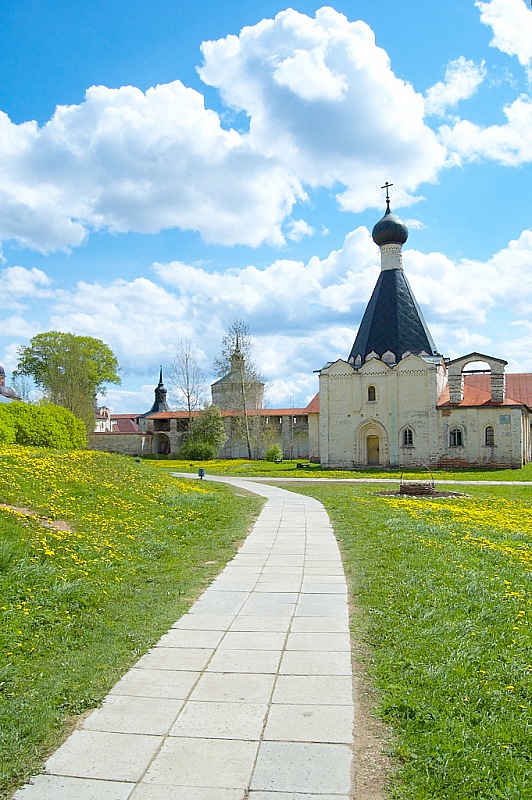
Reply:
x=387, y=186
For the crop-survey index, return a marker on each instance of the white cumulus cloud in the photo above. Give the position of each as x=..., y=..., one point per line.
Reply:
x=323, y=100
x=462, y=79
x=511, y=23
x=128, y=160
x=19, y=284
x=297, y=229
x=324, y=108
x=509, y=144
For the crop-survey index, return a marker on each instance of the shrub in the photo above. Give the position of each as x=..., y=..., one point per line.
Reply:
x=73, y=426
x=44, y=426
x=7, y=431
x=273, y=453
x=197, y=451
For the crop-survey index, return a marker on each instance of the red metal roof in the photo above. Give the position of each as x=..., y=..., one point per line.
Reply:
x=477, y=391
x=314, y=405
x=124, y=425
x=263, y=412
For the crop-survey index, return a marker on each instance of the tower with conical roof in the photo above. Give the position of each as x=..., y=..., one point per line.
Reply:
x=393, y=325
x=159, y=404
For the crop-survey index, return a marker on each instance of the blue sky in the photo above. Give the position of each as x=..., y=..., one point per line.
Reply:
x=169, y=167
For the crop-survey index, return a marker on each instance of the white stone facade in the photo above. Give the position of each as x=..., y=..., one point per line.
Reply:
x=379, y=415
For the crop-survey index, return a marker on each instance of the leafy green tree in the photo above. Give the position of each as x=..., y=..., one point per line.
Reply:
x=69, y=369
x=208, y=427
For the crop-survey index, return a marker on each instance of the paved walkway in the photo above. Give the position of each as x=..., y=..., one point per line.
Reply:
x=247, y=697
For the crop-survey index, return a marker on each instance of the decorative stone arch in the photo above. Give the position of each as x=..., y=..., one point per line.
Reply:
x=457, y=367
x=161, y=444
x=371, y=440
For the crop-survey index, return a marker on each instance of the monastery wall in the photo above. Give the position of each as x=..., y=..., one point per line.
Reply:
x=127, y=444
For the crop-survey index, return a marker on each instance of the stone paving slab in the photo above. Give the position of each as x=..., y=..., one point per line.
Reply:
x=55, y=787
x=166, y=683
x=127, y=714
x=104, y=755
x=247, y=697
x=302, y=767
x=202, y=762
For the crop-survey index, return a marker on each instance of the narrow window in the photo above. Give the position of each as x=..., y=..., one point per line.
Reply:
x=455, y=437
x=371, y=393
x=408, y=437
x=489, y=436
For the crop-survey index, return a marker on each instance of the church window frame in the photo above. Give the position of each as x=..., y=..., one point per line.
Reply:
x=372, y=394
x=456, y=437
x=407, y=437
x=489, y=436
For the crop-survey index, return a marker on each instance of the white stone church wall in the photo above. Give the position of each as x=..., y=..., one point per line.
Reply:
x=507, y=450
x=380, y=401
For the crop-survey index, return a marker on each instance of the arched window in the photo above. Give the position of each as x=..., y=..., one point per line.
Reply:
x=372, y=394
x=408, y=437
x=455, y=438
x=489, y=436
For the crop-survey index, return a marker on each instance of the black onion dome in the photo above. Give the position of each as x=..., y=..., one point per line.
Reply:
x=390, y=230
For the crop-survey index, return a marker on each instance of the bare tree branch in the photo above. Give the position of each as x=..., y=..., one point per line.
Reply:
x=187, y=380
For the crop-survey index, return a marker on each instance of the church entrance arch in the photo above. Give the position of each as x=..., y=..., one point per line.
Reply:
x=372, y=450
x=371, y=444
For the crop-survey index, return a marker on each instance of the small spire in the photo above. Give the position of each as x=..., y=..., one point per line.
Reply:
x=387, y=186
x=161, y=375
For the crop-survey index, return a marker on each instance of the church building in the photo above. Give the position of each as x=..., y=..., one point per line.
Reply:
x=396, y=401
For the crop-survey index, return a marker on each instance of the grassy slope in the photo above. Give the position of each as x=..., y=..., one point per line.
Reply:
x=446, y=592
x=78, y=608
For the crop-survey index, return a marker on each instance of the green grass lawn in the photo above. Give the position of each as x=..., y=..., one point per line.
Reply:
x=442, y=592
x=78, y=607
x=441, y=588
x=288, y=469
